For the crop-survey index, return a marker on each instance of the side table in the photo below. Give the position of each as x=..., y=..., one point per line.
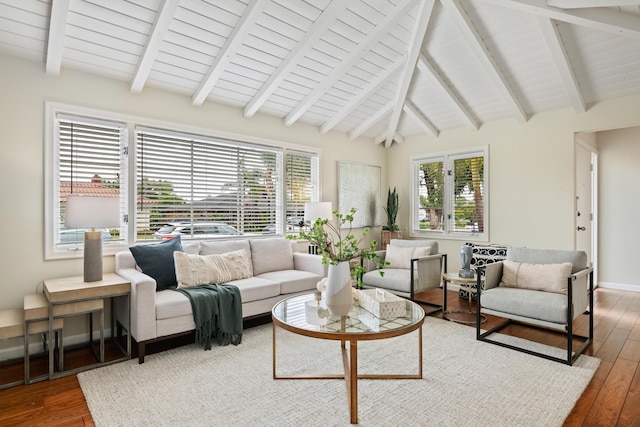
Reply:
x=464, y=282
x=70, y=291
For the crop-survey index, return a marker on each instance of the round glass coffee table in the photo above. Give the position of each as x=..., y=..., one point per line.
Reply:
x=305, y=315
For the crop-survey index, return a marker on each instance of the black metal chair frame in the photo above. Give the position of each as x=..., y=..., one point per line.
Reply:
x=571, y=356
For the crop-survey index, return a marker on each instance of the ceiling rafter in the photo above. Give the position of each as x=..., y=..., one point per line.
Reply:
x=372, y=120
x=363, y=47
x=57, y=25
x=412, y=111
x=561, y=61
x=328, y=16
x=468, y=31
x=158, y=33
x=605, y=20
x=415, y=45
x=383, y=136
x=240, y=31
x=578, y=4
x=425, y=66
x=371, y=88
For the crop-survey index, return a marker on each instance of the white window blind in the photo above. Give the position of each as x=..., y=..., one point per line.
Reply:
x=190, y=179
x=450, y=195
x=90, y=163
x=302, y=185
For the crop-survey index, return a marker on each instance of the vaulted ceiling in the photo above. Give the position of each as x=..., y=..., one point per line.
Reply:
x=381, y=69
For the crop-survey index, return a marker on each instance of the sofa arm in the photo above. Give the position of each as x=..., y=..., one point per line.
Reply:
x=309, y=262
x=143, y=304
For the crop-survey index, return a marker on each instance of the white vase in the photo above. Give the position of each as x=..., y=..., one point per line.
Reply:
x=338, y=295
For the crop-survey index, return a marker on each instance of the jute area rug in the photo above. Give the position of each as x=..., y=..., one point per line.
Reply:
x=466, y=383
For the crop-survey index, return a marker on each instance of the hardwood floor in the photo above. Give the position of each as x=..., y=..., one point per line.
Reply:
x=611, y=399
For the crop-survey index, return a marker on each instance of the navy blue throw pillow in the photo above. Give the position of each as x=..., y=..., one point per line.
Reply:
x=156, y=260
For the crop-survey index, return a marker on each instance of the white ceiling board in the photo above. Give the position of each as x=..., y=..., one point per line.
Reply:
x=324, y=78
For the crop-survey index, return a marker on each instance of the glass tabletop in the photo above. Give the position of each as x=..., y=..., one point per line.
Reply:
x=305, y=313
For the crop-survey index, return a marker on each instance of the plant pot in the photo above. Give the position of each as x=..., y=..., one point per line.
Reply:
x=386, y=237
x=338, y=296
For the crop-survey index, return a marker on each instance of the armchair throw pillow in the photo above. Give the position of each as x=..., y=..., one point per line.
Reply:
x=194, y=270
x=539, y=277
x=400, y=257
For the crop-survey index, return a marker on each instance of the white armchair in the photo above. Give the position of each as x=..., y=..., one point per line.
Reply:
x=414, y=266
x=541, y=288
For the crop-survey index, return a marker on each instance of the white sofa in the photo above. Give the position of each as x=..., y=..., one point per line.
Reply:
x=278, y=271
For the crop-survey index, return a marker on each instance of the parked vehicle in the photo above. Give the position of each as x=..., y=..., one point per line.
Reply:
x=196, y=229
x=76, y=235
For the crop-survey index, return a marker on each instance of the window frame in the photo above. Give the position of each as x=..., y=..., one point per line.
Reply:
x=132, y=123
x=447, y=157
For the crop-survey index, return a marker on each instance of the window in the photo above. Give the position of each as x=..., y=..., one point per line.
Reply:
x=169, y=182
x=449, y=196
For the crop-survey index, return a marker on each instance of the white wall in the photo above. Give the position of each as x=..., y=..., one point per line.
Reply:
x=24, y=88
x=619, y=207
x=531, y=174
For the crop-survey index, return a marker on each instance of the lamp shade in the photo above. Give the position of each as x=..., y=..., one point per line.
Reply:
x=92, y=212
x=315, y=210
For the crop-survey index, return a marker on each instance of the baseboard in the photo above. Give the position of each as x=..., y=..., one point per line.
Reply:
x=619, y=286
x=17, y=351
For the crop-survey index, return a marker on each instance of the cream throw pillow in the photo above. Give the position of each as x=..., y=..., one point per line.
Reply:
x=539, y=277
x=400, y=257
x=194, y=270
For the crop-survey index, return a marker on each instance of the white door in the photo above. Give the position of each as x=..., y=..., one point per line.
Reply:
x=586, y=196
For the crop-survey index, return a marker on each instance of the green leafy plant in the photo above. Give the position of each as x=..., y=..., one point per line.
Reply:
x=392, y=211
x=336, y=247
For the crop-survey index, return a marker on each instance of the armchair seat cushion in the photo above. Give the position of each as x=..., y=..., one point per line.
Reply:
x=394, y=279
x=545, y=306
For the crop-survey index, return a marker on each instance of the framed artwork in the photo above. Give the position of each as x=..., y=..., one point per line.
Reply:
x=359, y=187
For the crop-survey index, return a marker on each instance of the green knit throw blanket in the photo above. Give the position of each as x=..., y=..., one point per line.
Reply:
x=217, y=312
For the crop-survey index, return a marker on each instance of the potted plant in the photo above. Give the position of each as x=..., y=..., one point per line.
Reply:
x=337, y=250
x=391, y=230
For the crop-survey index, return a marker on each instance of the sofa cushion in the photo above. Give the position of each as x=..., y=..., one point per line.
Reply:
x=549, y=256
x=194, y=270
x=156, y=261
x=292, y=281
x=208, y=248
x=414, y=243
x=400, y=257
x=539, y=277
x=271, y=255
x=256, y=289
x=170, y=304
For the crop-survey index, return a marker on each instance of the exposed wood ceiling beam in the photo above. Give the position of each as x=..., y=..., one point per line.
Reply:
x=468, y=31
x=605, y=20
x=372, y=87
x=579, y=4
x=368, y=43
x=362, y=127
x=383, y=136
x=561, y=60
x=55, y=45
x=419, y=118
x=158, y=33
x=417, y=38
x=328, y=16
x=240, y=31
x=425, y=66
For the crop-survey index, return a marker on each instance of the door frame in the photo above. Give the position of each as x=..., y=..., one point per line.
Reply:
x=594, y=204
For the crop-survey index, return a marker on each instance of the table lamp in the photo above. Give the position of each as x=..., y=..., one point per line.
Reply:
x=92, y=212
x=314, y=211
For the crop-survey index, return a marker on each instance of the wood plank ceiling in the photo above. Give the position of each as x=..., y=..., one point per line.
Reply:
x=381, y=69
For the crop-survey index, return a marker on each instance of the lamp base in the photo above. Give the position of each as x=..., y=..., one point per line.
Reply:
x=92, y=256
